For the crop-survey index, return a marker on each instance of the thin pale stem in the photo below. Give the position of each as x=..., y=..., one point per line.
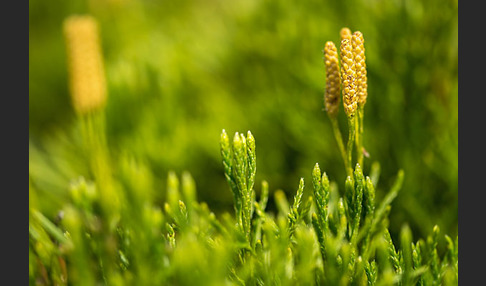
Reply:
x=339, y=139
x=359, y=135
x=95, y=140
x=352, y=136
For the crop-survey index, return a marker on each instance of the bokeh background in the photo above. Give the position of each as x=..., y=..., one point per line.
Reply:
x=178, y=72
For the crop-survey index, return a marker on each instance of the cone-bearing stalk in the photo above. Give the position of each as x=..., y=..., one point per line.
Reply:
x=350, y=100
x=88, y=92
x=357, y=42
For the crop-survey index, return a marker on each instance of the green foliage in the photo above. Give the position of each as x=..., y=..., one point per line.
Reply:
x=343, y=243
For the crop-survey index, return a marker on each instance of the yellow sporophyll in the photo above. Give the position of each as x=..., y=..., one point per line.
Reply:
x=357, y=42
x=333, y=79
x=348, y=78
x=85, y=63
x=345, y=33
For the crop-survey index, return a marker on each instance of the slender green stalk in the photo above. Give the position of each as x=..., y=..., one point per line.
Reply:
x=352, y=136
x=96, y=148
x=339, y=140
x=406, y=250
x=359, y=135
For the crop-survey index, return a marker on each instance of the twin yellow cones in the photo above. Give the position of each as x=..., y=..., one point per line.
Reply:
x=351, y=79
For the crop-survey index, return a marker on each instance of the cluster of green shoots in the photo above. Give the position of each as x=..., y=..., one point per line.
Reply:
x=120, y=228
x=327, y=239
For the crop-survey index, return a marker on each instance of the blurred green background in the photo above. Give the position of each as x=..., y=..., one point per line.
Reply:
x=179, y=72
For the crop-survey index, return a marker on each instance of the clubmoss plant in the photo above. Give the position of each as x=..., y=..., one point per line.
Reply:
x=353, y=83
x=89, y=96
